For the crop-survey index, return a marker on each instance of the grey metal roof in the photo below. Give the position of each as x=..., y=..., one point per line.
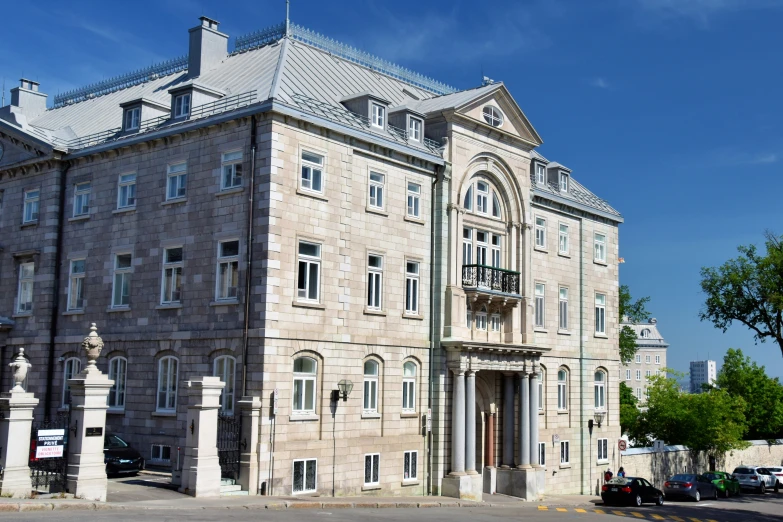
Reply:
x=577, y=193
x=654, y=339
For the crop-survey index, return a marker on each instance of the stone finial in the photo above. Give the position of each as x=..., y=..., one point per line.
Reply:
x=92, y=346
x=19, y=367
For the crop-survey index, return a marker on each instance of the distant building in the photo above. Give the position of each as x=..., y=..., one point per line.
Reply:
x=702, y=372
x=650, y=356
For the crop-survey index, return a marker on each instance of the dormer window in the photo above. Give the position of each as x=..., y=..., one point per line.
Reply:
x=540, y=174
x=493, y=116
x=182, y=106
x=645, y=334
x=414, y=129
x=563, y=182
x=378, y=115
x=132, y=118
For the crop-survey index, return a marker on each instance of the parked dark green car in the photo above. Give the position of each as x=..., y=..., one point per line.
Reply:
x=726, y=484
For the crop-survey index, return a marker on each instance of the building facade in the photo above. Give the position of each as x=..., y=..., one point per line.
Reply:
x=650, y=358
x=294, y=215
x=702, y=372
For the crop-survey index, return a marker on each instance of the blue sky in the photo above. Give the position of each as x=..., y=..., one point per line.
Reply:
x=669, y=109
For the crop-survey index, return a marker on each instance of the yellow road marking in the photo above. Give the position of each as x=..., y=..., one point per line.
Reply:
x=563, y=510
x=579, y=510
x=657, y=517
x=678, y=519
x=619, y=513
x=599, y=511
x=694, y=519
x=637, y=515
x=542, y=508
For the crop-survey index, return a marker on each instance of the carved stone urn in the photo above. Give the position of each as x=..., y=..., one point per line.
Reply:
x=19, y=366
x=92, y=345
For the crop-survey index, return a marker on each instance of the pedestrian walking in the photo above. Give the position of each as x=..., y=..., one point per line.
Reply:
x=608, y=475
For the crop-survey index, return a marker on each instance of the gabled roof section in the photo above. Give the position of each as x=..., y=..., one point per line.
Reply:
x=653, y=340
x=577, y=195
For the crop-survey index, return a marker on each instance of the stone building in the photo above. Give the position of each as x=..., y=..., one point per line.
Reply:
x=296, y=214
x=650, y=359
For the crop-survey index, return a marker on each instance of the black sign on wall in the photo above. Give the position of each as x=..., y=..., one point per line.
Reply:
x=94, y=432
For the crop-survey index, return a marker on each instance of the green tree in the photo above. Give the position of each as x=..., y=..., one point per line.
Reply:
x=749, y=290
x=629, y=412
x=635, y=312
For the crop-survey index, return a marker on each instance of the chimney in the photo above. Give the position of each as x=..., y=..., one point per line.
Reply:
x=208, y=47
x=27, y=98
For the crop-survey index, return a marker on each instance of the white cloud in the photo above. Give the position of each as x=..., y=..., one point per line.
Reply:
x=701, y=12
x=599, y=82
x=764, y=159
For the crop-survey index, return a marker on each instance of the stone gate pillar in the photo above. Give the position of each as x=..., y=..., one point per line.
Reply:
x=201, y=467
x=250, y=409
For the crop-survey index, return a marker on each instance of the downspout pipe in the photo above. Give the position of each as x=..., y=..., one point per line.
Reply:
x=249, y=254
x=433, y=325
x=581, y=356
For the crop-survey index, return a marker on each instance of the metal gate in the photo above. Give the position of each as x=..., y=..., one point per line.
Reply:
x=49, y=474
x=229, y=433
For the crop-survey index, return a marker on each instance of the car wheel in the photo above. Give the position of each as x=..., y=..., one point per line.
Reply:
x=697, y=498
x=726, y=493
x=659, y=500
x=763, y=488
x=715, y=494
x=638, y=500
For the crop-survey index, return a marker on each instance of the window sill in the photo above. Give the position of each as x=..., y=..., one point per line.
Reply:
x=124, y=210
x=227, y=302
x=74, y=312
x=541, y=249
x=371, y=311
x=311, y=194
x=602, y=263
x=168, y=414
x=175, y=201
x=25, y=314
x=563, y=332
x=601, y=462
x=116, y=411
x=542, y=412
x=414, y=482
x=230, y=191
x=31, y=224
x=371, y=415
x=112, y=310
x=601, y=336
x=379, y=211
x=416, y=220
x=169, y=306
x=79, y=218
x=303, y=417
x=409, y=415
x=540, y=329
x=562, y=412
x=564, y=254
x=414, y=317
x=565, y=466
x=305, y=304
x=371, y=488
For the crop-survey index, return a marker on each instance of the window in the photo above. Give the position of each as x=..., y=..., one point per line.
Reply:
x=304, y=475
x=231, y=166
x=540, y=289
x=627, y=375
x=468, y=202
x=600, y=247
x=496, y=251
x=540, y=383
x=648, y=373
x=171, y=289
x=645, y=334
x=81, y=199
x=126, y=191
x=540, y=174
x=378, y=115
x=469, y=319
x=376, y=189
x=562, y=240
x=304, y=385
x=563, y=308
x=647, y=359
x=467, y=246
x=414, y=193
x=638, y=375
x=32, y=201
x=481, y=320
x=603, y=450
x=132, y=118
x=562, y=390
x=408, y=387
x=657, y=359
x=118, y=370
x=639, y=393
x=564, y=453
x=72, y=367
x=540, y=232
x=600, y=313
x=24, y=294
x=482, y=193
x=374, y=281
x=309, y=271
x=542, y=454
x=370, y=387
x=495, y=205
x=563, y=182
x=410, y=465
x=182, y=106
x=600, y=390
x=76, y=285
x=412, y=288
x=638, y=359
x=372, y=464
x=168, y=373
x=160, y=453
x=227, y=270
x=177, y=181
x=493, y=116
x=494, y=322
x=224, y=367
x=414, y=129
x=122, y=277
x=312, y=171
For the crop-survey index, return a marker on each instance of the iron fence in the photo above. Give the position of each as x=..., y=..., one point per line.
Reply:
x=50, y=474
x=490, y=278
x=230, y=445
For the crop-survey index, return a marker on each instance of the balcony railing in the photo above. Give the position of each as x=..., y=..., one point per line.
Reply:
x=489, y=278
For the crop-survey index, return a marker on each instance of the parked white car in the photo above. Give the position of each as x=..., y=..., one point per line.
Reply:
x=778, y=472
x=755, y=477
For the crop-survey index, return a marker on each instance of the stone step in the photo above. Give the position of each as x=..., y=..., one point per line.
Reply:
x=227, y=482
x=230, y=488
x=233, y=493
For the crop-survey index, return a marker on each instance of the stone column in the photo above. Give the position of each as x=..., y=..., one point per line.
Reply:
x=524, y=420
x=508, y=421
x=16, y=408
x=201, y=469
x=534, y=417
x=250, y=410
x=470, y=424
x=490, y=457
x=458, y=424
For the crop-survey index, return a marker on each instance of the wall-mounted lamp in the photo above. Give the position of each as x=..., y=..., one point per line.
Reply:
x=599, y=417
x=344, y=388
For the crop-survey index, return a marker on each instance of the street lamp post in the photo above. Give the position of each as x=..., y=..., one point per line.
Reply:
x=598, y=418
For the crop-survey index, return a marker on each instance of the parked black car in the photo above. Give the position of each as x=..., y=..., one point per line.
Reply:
x=119, y=457
x=630, y=490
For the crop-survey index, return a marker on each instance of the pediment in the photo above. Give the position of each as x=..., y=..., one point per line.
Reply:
x=515, y=123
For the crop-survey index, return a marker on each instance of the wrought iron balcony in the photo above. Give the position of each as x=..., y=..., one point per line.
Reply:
x=489, y=278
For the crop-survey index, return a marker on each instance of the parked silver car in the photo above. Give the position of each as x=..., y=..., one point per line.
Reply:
x=690, y=485
x=755, y=477
x=778, y=472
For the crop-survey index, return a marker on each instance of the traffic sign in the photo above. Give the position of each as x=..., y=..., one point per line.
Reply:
x=622, y=444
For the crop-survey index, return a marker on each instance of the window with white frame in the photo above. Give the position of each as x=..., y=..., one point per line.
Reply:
x=227, y=270
x=639, y=393
x=481, y=253
x=414, y=197
x=71, y=368
x=645, y=334
x=647, y=359
x=126, y=190
x=495, y=205
x=565, y=458
x=540, y=384
x=225, y=368
x=171, y=289
x=168, y=374
x=563, y=325
x=414, y=129
x=562, y=390
x=638, y=359
x=496, y=251
x=304, y=385
x=481, y=319
x=542, y=454
x=410, y=466
x=231, y=169
x=305, y=472
x=120, y=295
x=657, y=359
x=374, y=281
x=599, y=387
x=76, y=285
x=377, y=183
x=409, y=387
x=482, y=197
x=493, y=116
x=539, y=305
x=370, y=404
x=563, y=182
x=638, y=375
x=600, y=247
x=467, y=246
x=469, y=319
x=372, y=464
x=540, y=232
x=540, y=174
x=562, y=239
x=648, y=373
x=132, y=118
x=627, y=375
x=494, y=322
x=182, y=106
x=309, y=271
x=118, y=372
x=412, y=288
x=24, y=293
x=312, y=171
x=160, y=453
x=32, y=202
x=81, y=199
x=600, y=313
x=177, y=179
x=603, y=450
x=378, y=115
x=468, y=201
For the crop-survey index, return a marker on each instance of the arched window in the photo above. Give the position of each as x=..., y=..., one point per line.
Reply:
x=370, y=387
x=71, y=368
x=600, y=390
x=408, y=387
x=493, y=116
x=118, y=370
x=562, y=389
x=468, y=203
x=304, y=385
x=481, y=198
x=168, y=374
x=495, y=205
x=645, y=333
x=225, y=368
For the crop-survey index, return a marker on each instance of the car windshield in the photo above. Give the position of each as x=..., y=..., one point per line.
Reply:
x=622, y=481
x=712, y=476
x=113, y=441
x=775, y=470
x=684, y=478
x=744, y=471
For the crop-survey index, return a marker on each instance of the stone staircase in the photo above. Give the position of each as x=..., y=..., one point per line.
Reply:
x=229, y=488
